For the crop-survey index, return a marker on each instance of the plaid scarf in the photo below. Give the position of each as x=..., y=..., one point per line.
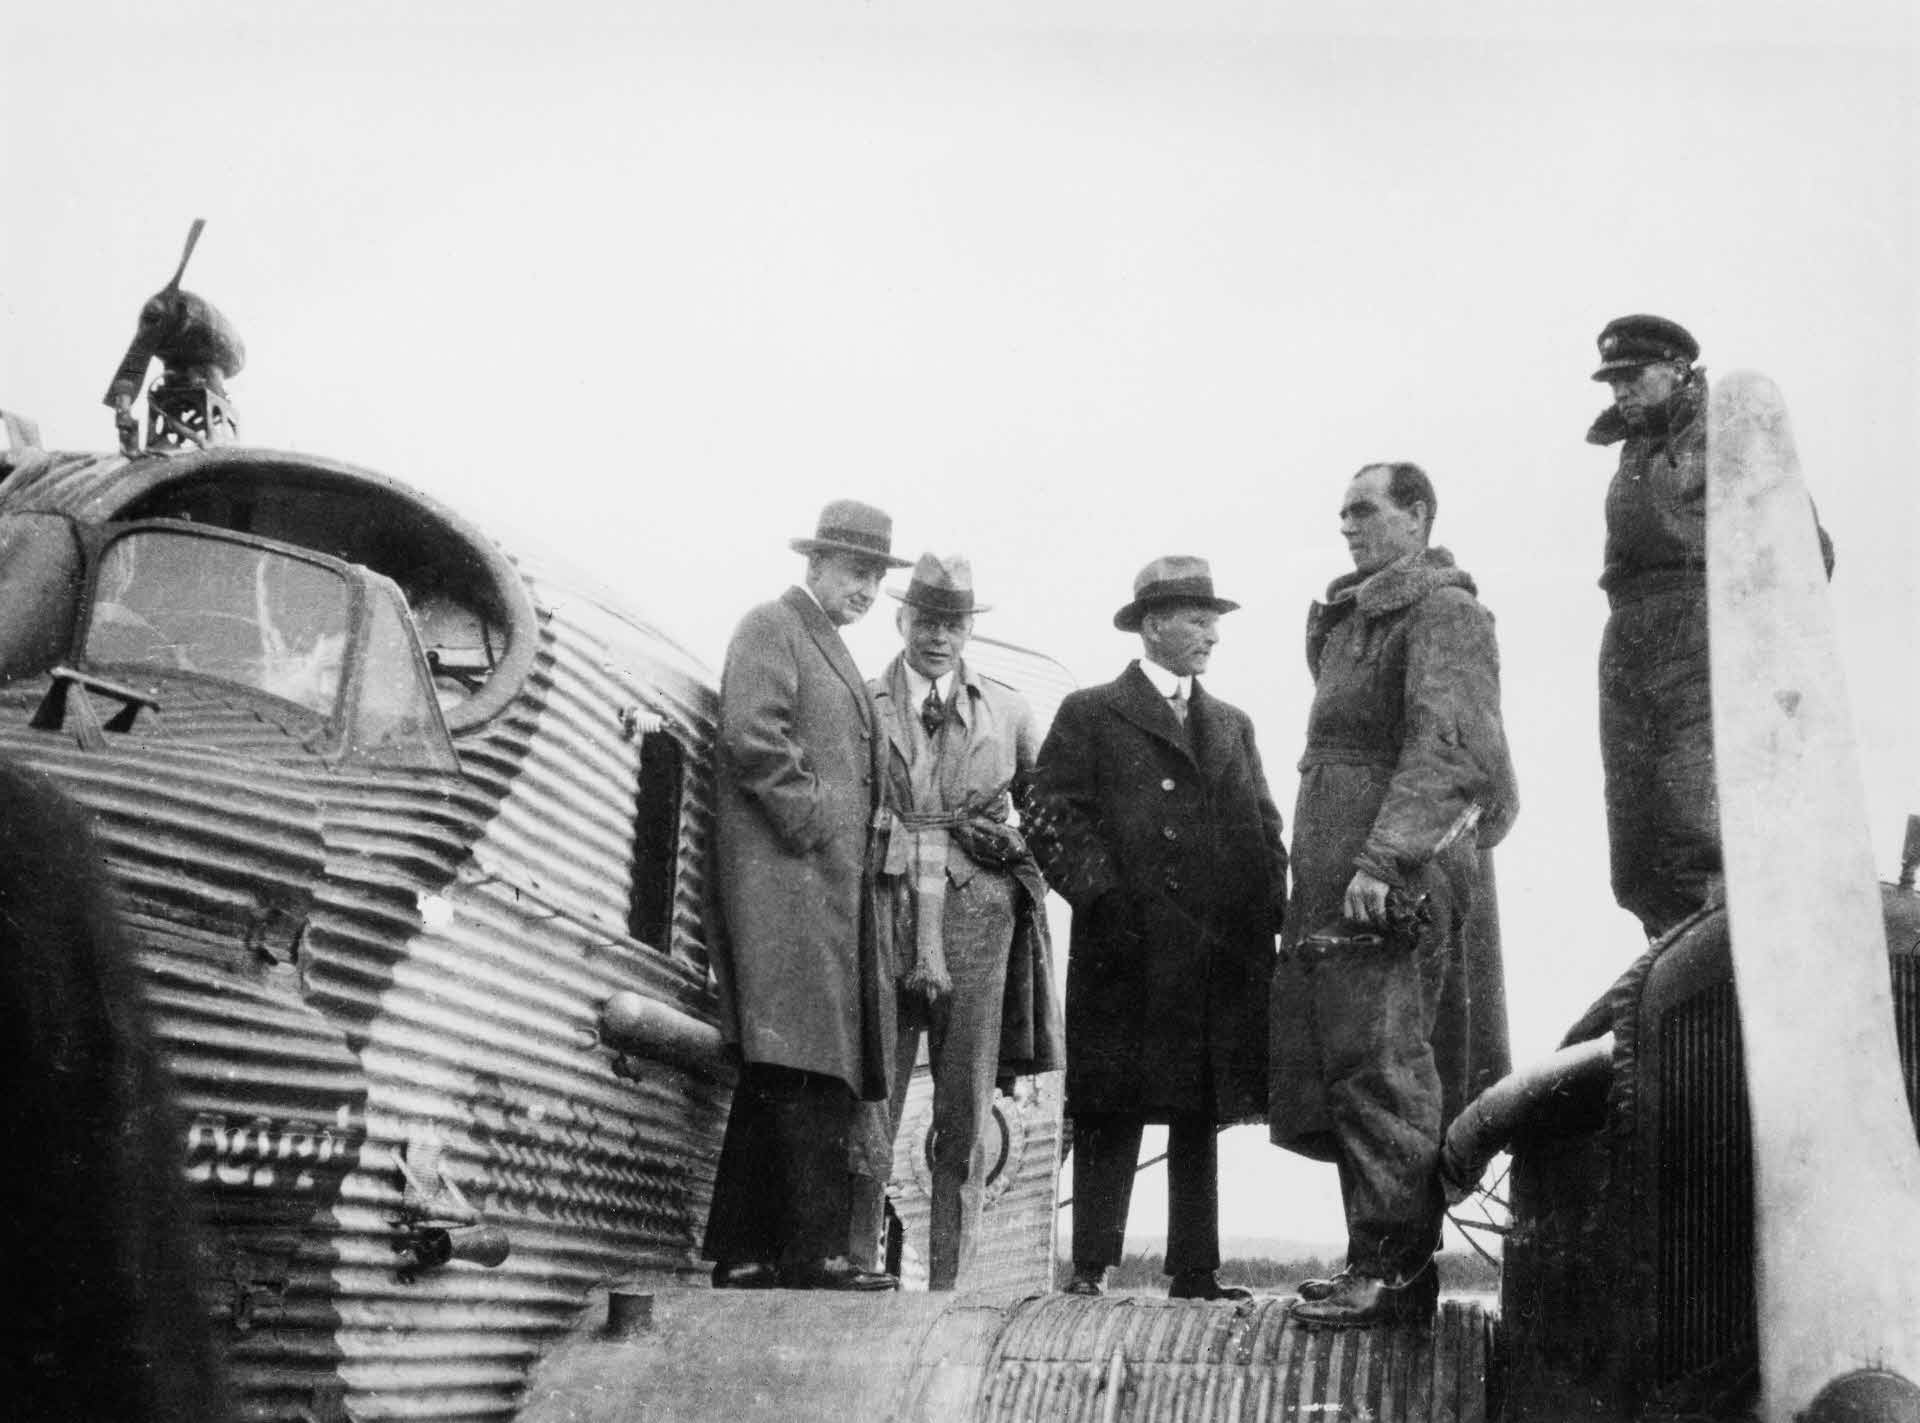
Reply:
x=915, y=874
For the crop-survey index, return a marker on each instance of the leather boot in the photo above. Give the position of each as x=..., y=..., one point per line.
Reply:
x=1320, y=1289
x=1087, y=1280
x=1201, y=1284
x=745, y=1275
x=1363, y=1301
x=836, y=1273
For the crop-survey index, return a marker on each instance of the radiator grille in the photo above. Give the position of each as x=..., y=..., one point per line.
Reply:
x=1705, y=1200
x=1706, y=1332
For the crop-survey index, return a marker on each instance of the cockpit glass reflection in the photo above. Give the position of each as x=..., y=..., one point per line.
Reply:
x=244, y=614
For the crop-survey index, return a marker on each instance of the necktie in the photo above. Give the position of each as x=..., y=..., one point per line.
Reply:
x=1178, y=701
x=933, y=711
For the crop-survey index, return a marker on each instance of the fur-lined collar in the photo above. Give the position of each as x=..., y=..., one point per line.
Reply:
x=1400, y=585
x=1683, y=407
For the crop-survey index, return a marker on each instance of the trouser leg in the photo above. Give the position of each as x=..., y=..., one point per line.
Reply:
x=1656, y=742
x=748, y=1184
x=1193, y=1197
x=1626, y=759
x=870, y=1156
x=1106, y=1152
x=866, y=1221
x=812, y=1116
x=1376, y=1010
x=964, y=1050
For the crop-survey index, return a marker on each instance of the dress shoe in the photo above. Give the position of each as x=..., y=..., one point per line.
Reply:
x=1087, y=1282
x=1200, y=1284
x=837, y=1273
x=745, y=1275
x=1362, y=1301
x=1320, y=1289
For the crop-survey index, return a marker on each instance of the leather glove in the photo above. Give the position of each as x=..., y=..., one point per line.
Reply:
x=990, y=843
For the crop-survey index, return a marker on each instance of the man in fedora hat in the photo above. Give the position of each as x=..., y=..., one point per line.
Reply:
x=1656, y=722
x=1404, y=784
x=801, y=987
x=1151, y=817
x=959, y=895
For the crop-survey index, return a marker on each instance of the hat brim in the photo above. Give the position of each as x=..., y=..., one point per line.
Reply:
x=834, y=546
x=1128, y=618
x=1632, y=363
x=935, y=607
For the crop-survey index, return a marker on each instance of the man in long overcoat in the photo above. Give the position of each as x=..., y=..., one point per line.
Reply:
x=1152, y=818
x=802, y=991
x=1405, y=783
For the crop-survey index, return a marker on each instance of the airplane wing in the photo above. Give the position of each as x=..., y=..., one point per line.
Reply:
x=1041, y=679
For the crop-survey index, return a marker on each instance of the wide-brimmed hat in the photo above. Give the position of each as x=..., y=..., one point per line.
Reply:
x=941, y=585
x=848, y=526
x=1177, y=578
x=1629, y=342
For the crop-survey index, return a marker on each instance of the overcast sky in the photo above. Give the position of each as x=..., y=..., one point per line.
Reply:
x=1062, y=286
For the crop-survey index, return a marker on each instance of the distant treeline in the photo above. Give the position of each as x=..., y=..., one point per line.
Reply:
x=1459, y=1271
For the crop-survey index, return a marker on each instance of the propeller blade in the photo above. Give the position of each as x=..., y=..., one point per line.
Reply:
x=193, y=238
x=1836, y=1167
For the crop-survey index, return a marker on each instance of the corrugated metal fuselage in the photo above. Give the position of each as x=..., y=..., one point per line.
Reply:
x=354, y=964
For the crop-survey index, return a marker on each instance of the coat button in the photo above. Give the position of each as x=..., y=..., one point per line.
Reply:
x=1167, y=784
x=1170, y=832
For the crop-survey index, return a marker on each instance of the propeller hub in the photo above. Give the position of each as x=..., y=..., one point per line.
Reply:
x=1866, y=1396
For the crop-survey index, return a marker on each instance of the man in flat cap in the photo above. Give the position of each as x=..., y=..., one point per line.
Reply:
x=959, y=896
x=1151, y=817
x=1656, y=728
x=801, y=986
x=1390, y=953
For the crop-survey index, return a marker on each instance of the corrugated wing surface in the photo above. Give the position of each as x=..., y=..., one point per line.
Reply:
x=1157, y=1361
x=789, y=1357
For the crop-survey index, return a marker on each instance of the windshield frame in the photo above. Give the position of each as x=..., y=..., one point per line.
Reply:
x=335, y=727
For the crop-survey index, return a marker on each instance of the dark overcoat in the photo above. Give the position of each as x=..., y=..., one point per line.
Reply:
x=1407, y=776
x=799, y=766
x=1167, y=985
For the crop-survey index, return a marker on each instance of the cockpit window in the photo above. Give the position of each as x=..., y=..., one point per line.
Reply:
x=227, y=610
x=336, y=642
x=396, y=718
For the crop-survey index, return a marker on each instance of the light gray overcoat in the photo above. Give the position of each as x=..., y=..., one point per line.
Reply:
x=799, y=764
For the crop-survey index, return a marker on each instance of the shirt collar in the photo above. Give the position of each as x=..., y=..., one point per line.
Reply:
x=1164, y=682
x=917, y=685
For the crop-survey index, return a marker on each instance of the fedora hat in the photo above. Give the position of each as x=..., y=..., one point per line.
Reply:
x=848, y=526
x=1177, y=578
x=941, y=585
